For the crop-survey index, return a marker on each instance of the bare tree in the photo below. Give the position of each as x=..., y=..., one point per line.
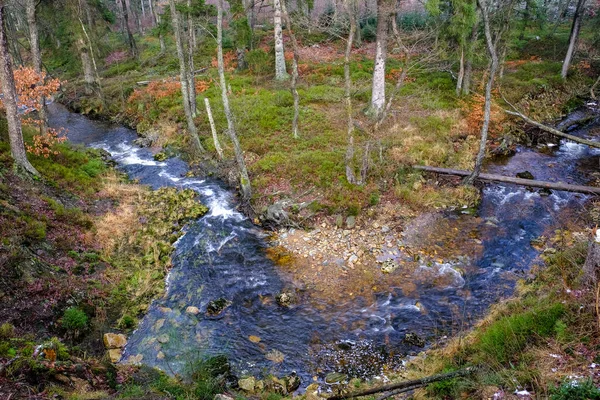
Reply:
x=573, y=37
x=294, y=80
x=191, y=40
x=213, y=129
x=494, y=63
x=15, y=134
x=239, y=155
x=184, y=79
x=36, y=57
x=280, y=71
x=350, y=176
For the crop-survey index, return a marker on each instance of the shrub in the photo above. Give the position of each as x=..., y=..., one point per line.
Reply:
x=74, y=319
x=7, y=331
x=259, y=62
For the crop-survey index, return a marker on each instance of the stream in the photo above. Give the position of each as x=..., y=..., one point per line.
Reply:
x=222, y=255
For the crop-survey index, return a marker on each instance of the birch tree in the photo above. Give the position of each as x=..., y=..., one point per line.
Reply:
x=280, y=70
x=184, y=79
x=15, y=133
x=294, y=80
x=350, y=176
x=378, y=87
x=239, y=155
x=573, y=38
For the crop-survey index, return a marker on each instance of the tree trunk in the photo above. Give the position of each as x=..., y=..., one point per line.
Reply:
x=190, y=48
x=280, y=71
x=36, y=58
x=184, y=80
x=213, y=129
x=350, y=176
x=143, y=10
x=466, y=85
x=573, y=37
x=151, y=8
x=96, y=76
x=86, y=63
x=130, y=39
x=491, y=47
x=294, y=81
x=239, y=155
x=121, y=15
x=15, y=134
x=461, y=71
x=593, y=88
x=11, y=32
x=378, y=89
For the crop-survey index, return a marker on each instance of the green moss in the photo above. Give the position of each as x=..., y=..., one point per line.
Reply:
x=74, y=319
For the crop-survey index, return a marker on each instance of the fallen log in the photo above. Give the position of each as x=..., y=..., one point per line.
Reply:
x=567, y=187
x=408, y=385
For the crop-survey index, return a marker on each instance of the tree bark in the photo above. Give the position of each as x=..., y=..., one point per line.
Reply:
x=466, y=85
x=190, y=54
x=461, y=71
x=130, y=39
x=184, y=80
x=491, y=47
x=378, y=87
x=15, y=134
x=280, y=70
x=36, y=57
x=213, y=129
x=573, y=37
x=567, y=187
x=239, y=155
x=86, y=63
x=349, y=160
x=294, y=80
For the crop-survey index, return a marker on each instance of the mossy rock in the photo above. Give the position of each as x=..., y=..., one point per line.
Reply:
x=160, y=157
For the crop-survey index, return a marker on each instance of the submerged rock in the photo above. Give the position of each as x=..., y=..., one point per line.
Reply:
x=525, y=175
x=286, y=299
x=389, y=266
x=413, y=339
x=216, y=307
x=160, y=157
x=192, y=310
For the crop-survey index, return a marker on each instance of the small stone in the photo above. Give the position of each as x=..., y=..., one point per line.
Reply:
x=247, y=384
x=158, y=324
x=254, y=339
x=114, y=340
x=339, y=221
x=389, y=266
x=217, y=306
x=164, y=338
x=351, y=222
x=192, y=310
x=114, y=355
x=160, y=355
x=335, y=377
x=222, y=397
x=385, y=229
x=353, y=258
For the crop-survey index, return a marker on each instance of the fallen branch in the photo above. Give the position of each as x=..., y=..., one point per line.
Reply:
x=517, y=181
x=547, y=128
x=408, y=385
x=553, y=131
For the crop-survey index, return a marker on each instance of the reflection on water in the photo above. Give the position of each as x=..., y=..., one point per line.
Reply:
x=222, y=256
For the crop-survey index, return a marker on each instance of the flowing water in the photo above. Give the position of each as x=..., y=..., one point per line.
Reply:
x=222, y=255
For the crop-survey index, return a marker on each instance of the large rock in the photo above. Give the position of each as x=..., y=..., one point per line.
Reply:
x=114, y=340
x=413, y=339
x=247, y=384
x=114, y=355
